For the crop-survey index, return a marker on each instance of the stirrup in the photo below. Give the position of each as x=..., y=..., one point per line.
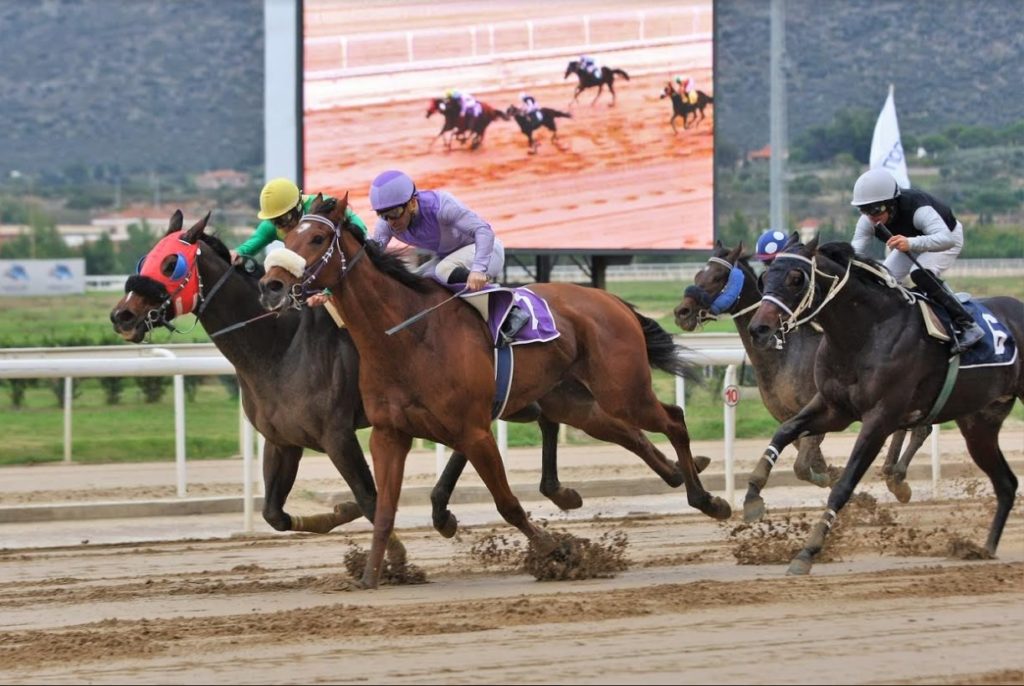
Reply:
x=513, y=324
x=967, y=338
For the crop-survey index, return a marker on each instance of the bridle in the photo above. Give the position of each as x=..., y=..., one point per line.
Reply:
x=809, y=266
x=301, y=290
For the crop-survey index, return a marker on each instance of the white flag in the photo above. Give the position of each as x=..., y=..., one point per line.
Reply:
x=886, y=149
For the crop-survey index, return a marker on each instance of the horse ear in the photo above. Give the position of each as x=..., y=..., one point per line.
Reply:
x=340, y=206
x=193, y=234
x=734, y=254
x=812, y=246
x=175, y=224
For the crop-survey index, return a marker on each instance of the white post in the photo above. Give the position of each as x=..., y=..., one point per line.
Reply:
x=681, y=392
x=247, y=440
x=640, y=17
x=586, y=29
x=936, y=467
x=503, y=439
x=408, y=45
x=529, y=35
x=472, y=39
x=179, y=423
x=439, y=458
x=69, y=382
x=490, y=37
x=731, y=398
x=344, y=52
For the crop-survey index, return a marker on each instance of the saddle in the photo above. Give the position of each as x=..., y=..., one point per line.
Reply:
x=997, y=348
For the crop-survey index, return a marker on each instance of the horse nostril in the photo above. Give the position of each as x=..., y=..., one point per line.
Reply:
x=121, y=317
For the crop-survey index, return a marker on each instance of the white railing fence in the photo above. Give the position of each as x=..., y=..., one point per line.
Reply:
x=204, y=359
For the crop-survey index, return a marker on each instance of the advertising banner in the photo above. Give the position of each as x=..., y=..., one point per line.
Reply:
x=42, y=277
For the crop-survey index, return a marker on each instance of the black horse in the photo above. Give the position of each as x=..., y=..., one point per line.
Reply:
x=782, y=371
x=877, y=364
x=587, y=79
x=682, y=108
x=528, y=123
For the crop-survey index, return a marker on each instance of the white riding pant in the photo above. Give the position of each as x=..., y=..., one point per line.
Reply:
x=899, y=264
x=463, y=257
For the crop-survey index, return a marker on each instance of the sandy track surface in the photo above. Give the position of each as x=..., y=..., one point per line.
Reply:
x=892, y=607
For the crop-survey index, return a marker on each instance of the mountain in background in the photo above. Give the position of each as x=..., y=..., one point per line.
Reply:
x=178, y=85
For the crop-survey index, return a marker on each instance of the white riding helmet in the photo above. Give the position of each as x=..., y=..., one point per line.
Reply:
x=874, y=185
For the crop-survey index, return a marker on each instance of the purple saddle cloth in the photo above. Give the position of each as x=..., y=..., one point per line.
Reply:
x=539, y=329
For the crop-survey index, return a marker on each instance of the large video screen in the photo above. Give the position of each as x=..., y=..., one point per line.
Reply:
x=620, y=173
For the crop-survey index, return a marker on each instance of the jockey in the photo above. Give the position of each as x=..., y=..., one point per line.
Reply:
x=468, y=106
x=530, y=107
x=769, y=244
x=922, y=226
x=281, y=206
x=685, y=85
x=464, y=247
x=587, y=63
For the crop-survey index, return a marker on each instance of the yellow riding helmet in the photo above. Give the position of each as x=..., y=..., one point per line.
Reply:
x=278, y=197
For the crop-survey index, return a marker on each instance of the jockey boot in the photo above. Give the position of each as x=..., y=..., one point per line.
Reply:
x=514, y=323
x=459, y=275
x=965, y=329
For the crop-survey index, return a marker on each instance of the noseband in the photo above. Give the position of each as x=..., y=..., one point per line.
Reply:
x=809, y=267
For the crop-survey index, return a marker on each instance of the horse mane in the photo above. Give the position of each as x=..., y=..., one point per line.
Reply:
x=842, y=253
x=388, y=263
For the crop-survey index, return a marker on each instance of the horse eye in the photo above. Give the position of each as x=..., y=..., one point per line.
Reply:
x=168, y=265
x=797, y=278
x=318, y=239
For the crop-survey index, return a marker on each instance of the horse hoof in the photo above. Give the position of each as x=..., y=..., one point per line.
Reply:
x=900, y=489
x=364, y=584
x=449, y=527
x=834, y=474
x=819, y=479
x=347, y=512
x=753, y=509
x=701, y=462
x=799, y=567
x=567, y=499
x=719, y=509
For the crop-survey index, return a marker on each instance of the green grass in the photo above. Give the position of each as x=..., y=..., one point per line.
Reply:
x=136, y=431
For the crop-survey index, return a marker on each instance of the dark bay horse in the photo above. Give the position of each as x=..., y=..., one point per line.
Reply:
x=587, y=79
x=783, y=370
x=298, y=372
x=682, y=108
x=528, y=123
x=877, y=364
x=463, y=128
x=435, y=379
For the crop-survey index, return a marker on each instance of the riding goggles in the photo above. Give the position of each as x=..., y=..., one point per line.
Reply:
x=873, y=209
x=393, y=213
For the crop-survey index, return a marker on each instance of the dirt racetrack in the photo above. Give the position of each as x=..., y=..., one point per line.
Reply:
x=893, y=607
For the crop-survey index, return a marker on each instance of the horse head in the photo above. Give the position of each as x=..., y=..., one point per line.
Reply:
x=571, y=68
x=312, y=258
x=786, y=290
x=166, y=284
x=715, y=288
x=435, y=105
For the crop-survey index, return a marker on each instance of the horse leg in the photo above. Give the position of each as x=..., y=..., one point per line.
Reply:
x=611, y=89
x=280, y=465
x=810, y=464
x=482, y=451
x=981, y=431
x=533, y=146
x=869, y=443
x=896, y=478
x=389, y=449
x=817, y=417
x=600, y=89
x=346, y=454
x=672, y=122
x=444, y=521
x=550, y=485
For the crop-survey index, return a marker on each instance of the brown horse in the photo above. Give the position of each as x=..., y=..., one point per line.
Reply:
x=463, y=128
x=435, y=378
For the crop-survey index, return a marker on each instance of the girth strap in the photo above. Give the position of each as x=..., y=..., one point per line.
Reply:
x=947, y=387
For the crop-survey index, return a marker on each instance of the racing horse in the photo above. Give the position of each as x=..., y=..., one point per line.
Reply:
x=291, y=421
x=435, y=379
x=528, y=123
x=462, y=128
x=683, y=108
x=587, y=79
x=877, y=364
x=298, y=372
x=728, y=285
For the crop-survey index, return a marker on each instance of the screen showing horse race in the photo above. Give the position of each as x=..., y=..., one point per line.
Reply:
x=571, y=126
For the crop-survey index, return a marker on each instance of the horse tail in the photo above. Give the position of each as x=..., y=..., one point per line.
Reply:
x=621, y=73
x=557, y=113
x=662, y=351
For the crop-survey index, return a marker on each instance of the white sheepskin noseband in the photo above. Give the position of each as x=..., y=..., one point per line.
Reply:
x=290, y=261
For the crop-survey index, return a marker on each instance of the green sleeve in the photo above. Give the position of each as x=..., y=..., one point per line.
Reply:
x=264, y=234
